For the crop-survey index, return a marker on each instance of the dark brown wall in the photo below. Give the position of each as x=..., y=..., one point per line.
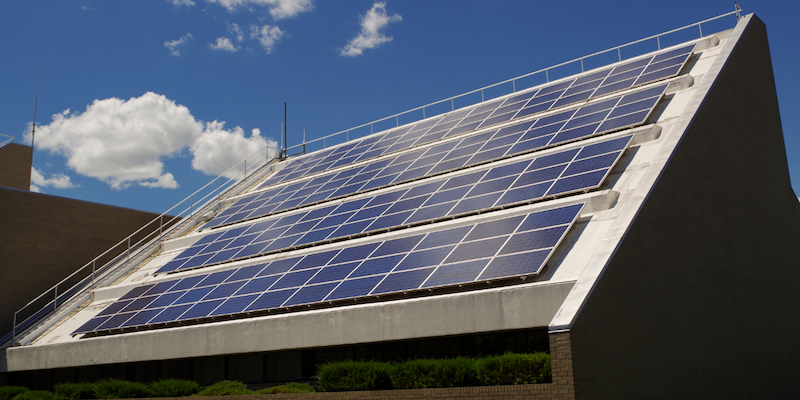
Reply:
x=45, y=238
x=15, y=166
x=701, y=298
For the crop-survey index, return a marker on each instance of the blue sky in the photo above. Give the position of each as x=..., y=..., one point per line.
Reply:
x=142, y=102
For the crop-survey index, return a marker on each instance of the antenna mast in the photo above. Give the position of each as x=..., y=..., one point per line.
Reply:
x=285, y=143
x=35, y=106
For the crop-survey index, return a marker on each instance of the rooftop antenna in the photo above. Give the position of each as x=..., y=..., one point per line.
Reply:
x=285, y=143
x=35, y=106
x=738, y=9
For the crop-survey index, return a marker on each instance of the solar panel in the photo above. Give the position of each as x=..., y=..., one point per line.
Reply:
x=509, y=247
x=620, y=112
x=563, y=172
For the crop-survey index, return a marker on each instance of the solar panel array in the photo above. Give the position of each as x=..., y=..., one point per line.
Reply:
x=293, y=208
x=532, y=178
x=562, y=93
x=616, y=113
x=508, y=247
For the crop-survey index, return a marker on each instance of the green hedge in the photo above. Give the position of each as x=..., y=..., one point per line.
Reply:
x=9, y=392
x=35, y=395
x=418, y=374
x=119, y=389
x=514, y=369
x=174, y=388
x=354, y=375
x=291, y=387
x=225, y=388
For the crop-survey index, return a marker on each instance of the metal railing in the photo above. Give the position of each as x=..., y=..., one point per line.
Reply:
x=513, y=81
x=6, y=141
x=137, y=244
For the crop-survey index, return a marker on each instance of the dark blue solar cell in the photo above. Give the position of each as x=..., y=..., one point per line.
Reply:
x=407, y=158
x=534, y=240
x=674, y=53
x=354, y=288
x=553, y=159
x=461, y=180
x=375, y=266
x=242, y=240
x=363, y=177
x=524, y=193
x=492, y=186
x=496, y=119
x=301, y=227
x=310, y=294
x=558, y=216
x=200, y=310
x=232, y=233
x=138, y=304
x=92, y=324
x=159, y=288
x=427, y=188
x=279, y=266
x=631, y=65
x=447, y=195
x=407, y=205
x=271, y=300
x=521, y=97
x=194, y=295
x=172, y=265
x=624, y=121
x=394, y=246
x=579, y=132
x=293, y=279
x=400, y=281
x=287, y=220
x=346, y=160
x=318, y=213
x=333, y=185
x=345, y=190
x=528, y=145
x=577, y=182
x=515, y=265
x=672, y=64
x=572, y=99
x=477, y=249
x=431, y=212
x=385, y=198
x=587, y=119
x=604, y=147
x=453, y=274
x=504, y=226
x=558, y=118
x=136, y=292
x=534, y=108
x=315, y=236
x=514, y=129
x=374, y=183
x=413, y=173
x=142, y=317
x=488, y=155
x=539, y=175
x=224, y=255
x=503, y=141
x=463, y=127
x=114, y=307
x=613, y=87
x=388, y=221
x=475, y=203
x=590, y=164
x=355, y=253
x=370, y=212
x=555, y=87
x=465, y=150
x=334, y=220
x=170, y=314
x=166, y=299
x=258, y=285
x=445, y=237
x=252, y=249
x=544, y=130
x=424, y=258
x=115, y=321
x=350, y=206
x=216, y=246
x=245, y=273
x=315, y=260
x=209, y=238
x=594, y=76
x=334, y=272
x=506, y=170
x=197, y=261
x=215, y=278
x=234, y=304
x=225, y=290
x=427, y=161
x=449, y=165
x=282, y=243
x=666, y=72
x=623, y=76
x=633, y=107
x=642, y=94
x=352, y=228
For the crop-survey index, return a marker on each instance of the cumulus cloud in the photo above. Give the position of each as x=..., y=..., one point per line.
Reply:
x=278, y=9
x=179, y=3
x=267, y=35
x=175, y=45
x=58, y=181
x=217, y=149
x=370, y=37
x=223, y=43
x=125, y=143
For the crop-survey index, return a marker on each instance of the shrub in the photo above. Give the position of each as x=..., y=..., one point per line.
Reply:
x=291, y=387
x=514, y=369
x=425, y=373
x=35, y=395
x=75, y=391
x=225, y=388
x=174, y=388
x=352, y=375
x=9, y=392
x=118, y=389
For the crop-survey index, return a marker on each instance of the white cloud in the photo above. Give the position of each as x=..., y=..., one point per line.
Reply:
x=370, y=36
x=236, y=31
x=179, y=3
x=267, y=35
x=222, y=43
x=174, y=45
x=58, y=181
x=218, y=149
x=87, y=7
x=124, y=143
x=278, y=9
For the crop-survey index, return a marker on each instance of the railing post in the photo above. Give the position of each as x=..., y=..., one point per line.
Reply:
x=191, y=209
x=547, y=75
x=129, y=248
x=619, y=53
x=452, y=105
x=582, y=65
x=513, y=85
x=700, y=25
x=658, y=39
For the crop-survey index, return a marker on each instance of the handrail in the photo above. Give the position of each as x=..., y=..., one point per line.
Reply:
x=129, y=244
x=737, y=11
x=7, y=141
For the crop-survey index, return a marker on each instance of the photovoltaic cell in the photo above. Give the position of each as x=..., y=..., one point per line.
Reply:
x=508, y=247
